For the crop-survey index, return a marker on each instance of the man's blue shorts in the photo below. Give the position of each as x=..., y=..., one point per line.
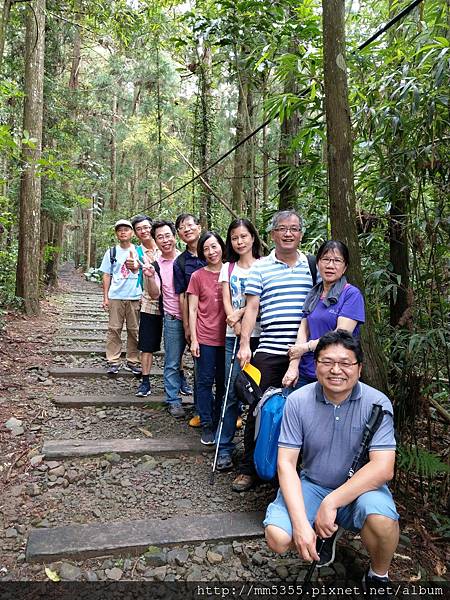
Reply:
x=351, y=517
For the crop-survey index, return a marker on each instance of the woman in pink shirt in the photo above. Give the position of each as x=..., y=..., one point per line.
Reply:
x=207, y=321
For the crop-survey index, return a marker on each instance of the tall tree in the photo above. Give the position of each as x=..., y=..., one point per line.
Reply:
x=4, y=20
x=340, y=168
x=288, y=157
x=27, y=275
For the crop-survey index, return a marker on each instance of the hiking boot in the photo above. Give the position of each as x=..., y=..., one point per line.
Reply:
x=207, y=438
x=144, y=390
x=134, y=368
x=176, y=410
x=224, y=462
x=195, y=421
x=243, y=483
x=185, y=388
x=376, y=587
x=326, y=548
x=112, y=369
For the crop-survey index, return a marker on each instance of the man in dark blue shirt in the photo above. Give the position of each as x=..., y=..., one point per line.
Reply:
x=189, y=230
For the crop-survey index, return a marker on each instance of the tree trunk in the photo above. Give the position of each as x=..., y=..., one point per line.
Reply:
x=237, y=187
x=4, y=20
x=340, y=171
x=205, y=135
x=27, y=276
x=265, y=155
x=76, y=60
x=159, y=122
x=288, y=157
x=88, y=248
x=398, y=226
x=250, y=194
x=398, y=254
x=113, y=157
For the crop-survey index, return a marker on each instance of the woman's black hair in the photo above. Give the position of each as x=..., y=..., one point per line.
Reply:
x=201, y=242
x=230, y=254
x=334, y=245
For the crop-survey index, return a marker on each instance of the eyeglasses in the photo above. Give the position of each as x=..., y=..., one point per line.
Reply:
x=165, y=236
x=328, y=363
x=186, y=226
x=145, y=228
x=284, y=229
x=335, y=261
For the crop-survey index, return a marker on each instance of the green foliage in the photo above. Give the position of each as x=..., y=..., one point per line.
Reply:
x=421, y=462
x=8, y=259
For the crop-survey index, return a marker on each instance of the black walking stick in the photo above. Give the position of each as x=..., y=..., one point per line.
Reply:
x=370, y=428
x=224, y=407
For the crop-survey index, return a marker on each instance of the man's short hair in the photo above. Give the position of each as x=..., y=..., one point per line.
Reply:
x=138, y=219
x=340, y=337
x=282, y=215
x=162, y=223
x=184, y=217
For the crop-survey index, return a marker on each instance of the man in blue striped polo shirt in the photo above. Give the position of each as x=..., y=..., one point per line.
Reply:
x=276, y=288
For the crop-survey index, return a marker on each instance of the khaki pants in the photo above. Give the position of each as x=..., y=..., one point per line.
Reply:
x=120, y=311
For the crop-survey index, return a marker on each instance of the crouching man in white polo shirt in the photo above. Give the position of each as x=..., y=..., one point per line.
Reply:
x=325, y=421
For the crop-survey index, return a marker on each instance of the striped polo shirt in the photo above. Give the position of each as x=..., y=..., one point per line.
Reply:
x=282, y=291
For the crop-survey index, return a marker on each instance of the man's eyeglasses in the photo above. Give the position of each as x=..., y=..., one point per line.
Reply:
x=335, y=261
x=186, y=226
x=145, y=228
x=284, y=229
x=164, y=236
x=328, y=363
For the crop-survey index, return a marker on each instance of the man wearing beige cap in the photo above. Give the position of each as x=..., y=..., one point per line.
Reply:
x=121, y=295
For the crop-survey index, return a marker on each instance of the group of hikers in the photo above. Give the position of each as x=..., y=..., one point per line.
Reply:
x=294, y=317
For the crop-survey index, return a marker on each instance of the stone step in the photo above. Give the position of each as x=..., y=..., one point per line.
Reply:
x=83, y=320
x=85, y=314
x=87, y=294
x=134, y=537
x=92, y=372
x=86, y=350
x=87, y=337
x=93, y=328
x=58, y=449
x=99, y=401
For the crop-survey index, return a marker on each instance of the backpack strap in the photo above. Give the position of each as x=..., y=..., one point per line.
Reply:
x=160, y=299
x=312, y=267
x=112, y=257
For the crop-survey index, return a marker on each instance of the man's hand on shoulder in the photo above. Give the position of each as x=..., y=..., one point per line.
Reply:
x=325, y=523
x=305, y=542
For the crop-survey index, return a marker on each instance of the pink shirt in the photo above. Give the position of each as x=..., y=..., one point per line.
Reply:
x=211, y=318
x=171, y=301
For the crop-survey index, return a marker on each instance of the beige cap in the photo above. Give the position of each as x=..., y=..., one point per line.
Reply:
x=122, y=222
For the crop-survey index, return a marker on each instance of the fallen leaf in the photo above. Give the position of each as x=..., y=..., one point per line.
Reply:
x=402, y=556
x=440, y=569
x=145, y=432
x=52, y=575
x=417, y=577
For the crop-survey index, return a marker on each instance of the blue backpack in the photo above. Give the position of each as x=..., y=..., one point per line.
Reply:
x=268, y=413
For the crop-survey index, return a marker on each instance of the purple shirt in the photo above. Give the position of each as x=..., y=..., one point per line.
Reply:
x=324, y=319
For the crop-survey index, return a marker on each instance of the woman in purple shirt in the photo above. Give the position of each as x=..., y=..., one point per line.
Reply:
x=333, y=303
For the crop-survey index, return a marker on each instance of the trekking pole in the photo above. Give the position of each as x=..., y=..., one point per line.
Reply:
x=224, y=407
x=370, y=428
